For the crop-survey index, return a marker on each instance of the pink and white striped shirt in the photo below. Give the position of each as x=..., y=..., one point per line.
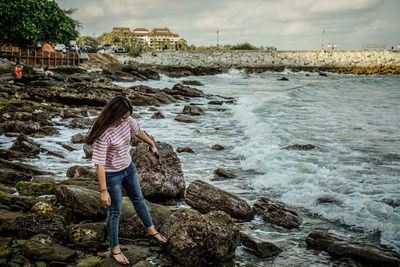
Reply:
x=111, y=149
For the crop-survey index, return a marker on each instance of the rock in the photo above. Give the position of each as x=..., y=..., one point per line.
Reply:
x=261, y=248
x=218, y=147
x=11, y=154
x=27, y=169
x=135, y=254
x=323, y=74
x=340, y=246
x=205, y=198
x=131, y=225
x=91, y=261
x=224, y=173
x=300, y=147
x=67, y=147
x=27, y=128
x=88, y=150
x=192, y=82
x=152, y=109
x=11, y=177
x=77, y=171
x=20, y=225
x=161, y=178
x=201, y=240
x=328, y=200
x=26, y=145
x=277, y=213
x=78, y=138
x=85, y=203
x=184, y=91
x=193, y=110
x=35, y=189
x=158, y=115
x=90, y=236
x=81, y=123
x=42, y=207
x=186, y=119
x=184, y=149
x=283, y=79
x=41, y=247
x=216, y=102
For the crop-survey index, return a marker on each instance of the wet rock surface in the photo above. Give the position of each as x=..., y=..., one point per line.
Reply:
x=200, y=240
x=161, y=178
x=341, y=246
x=205, y=198
x=277, y=213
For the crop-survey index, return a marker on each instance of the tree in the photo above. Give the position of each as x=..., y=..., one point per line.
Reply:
x=27, y=22
x=87, y=40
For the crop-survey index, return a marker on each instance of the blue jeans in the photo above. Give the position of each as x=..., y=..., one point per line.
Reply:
x=128, y=178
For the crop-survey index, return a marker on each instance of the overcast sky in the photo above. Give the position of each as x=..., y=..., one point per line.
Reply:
x=285, y=24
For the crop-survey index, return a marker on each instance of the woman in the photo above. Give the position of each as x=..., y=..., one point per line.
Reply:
x=111, y=135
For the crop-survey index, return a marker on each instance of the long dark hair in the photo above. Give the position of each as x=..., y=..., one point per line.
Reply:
x=109, y=115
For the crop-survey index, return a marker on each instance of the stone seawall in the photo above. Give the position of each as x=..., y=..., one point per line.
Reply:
x=342, y=61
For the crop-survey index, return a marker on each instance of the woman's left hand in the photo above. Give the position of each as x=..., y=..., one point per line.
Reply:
x=154, y=150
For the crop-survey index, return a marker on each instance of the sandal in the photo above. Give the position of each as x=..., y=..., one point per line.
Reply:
x=118, y=253
x=153, y=236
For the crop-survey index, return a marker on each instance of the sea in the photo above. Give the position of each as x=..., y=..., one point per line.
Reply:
x=349, y=184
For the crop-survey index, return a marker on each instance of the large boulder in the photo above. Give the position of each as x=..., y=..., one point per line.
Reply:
x=193, y=110
x=341, y=246
x=20, y=225
x=11, y=177
x=205, y=198
x=161, y=178
x=201, y=240
x=277, y=213
x=130, y=224
x=26, y=145
x=42, y=248
x=35, y=189
x=85, y=203
x=185, y=91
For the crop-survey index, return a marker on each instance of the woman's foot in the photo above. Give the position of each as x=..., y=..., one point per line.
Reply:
x=119, y=257
x=156, y=235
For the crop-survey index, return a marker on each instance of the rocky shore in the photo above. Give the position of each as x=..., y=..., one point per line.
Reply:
x=46, y=221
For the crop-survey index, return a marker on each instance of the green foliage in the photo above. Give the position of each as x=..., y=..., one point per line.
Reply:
x=27, y=22
x=87, y=40
x=244, y=46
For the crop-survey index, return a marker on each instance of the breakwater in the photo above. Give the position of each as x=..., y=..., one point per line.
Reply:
x=341, y=61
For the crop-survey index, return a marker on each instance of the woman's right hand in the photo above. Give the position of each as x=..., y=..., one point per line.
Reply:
x=105, y=198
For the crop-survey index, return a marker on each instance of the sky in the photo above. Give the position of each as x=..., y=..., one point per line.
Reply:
x=284, y=24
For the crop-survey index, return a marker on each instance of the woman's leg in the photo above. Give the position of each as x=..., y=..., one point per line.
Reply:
x=132, y=187
x=114, y=212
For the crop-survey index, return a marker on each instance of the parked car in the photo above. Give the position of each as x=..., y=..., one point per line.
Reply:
x=60, y=48
x=72, y=48
x=119, y=49
x=86, y=49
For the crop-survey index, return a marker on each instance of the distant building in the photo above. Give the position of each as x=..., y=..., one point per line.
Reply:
x=121, y=30
x=157, y=37
x=154, y=39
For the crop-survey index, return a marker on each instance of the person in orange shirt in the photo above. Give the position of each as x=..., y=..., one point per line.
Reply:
x=18, y=70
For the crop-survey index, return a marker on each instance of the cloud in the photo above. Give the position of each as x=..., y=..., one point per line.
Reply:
x=286, y=23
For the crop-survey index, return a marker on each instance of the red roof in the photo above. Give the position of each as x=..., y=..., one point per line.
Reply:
x=140, y=29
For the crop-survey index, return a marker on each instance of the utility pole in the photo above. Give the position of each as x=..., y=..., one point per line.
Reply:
x=217, y=39
x=323, y=40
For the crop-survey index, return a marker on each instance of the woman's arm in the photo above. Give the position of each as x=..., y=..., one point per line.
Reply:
x=143, y=136
x=101, y=176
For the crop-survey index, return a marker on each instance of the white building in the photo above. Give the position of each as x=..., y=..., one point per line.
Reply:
x=157, y=37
